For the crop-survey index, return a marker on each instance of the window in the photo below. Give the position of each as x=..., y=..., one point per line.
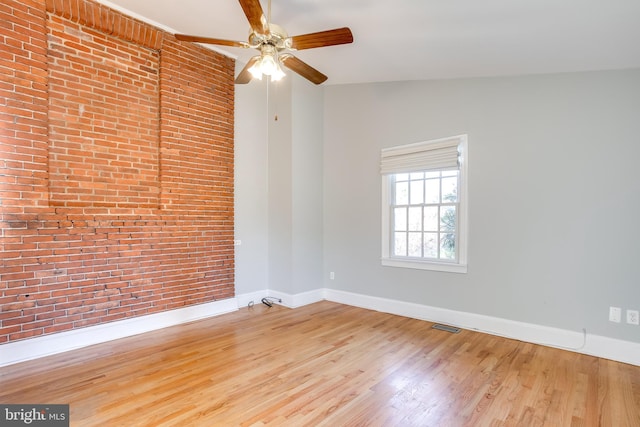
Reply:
x=424, y=205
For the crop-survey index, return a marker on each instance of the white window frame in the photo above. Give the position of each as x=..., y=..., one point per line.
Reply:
x=458, y=266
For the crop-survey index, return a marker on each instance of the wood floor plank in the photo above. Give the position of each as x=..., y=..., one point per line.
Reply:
x=326, y=364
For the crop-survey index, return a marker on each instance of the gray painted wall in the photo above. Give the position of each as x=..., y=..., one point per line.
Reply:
x=554, y=194
x=278, y=193
x=251, y=191
x=307, y=186
x=280, y=187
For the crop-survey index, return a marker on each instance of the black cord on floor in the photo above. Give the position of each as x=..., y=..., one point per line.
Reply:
x=268, y=301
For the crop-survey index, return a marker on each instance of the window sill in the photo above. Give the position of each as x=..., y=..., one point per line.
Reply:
x=425, y=265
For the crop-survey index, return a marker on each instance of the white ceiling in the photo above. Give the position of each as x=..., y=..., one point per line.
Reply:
x=426, y=39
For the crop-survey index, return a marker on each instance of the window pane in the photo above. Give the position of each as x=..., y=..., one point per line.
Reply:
x=452, y=172
x=432, y=174
x=432, y=191
x=402, y=176
x=450, y=189
x=400, y=219
x=417, y=192
x=400, y=244
x=417, y=175
x=447, y=246
x=430, y=245
x=448, y=218
x=415, y=244
x=402, y=193
x=415, y=219
x=431, y=218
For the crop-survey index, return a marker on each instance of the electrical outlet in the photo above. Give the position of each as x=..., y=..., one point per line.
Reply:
x=632, y=317
x=615, y=314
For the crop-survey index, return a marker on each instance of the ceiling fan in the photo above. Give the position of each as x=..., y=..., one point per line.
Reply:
x=274, y=45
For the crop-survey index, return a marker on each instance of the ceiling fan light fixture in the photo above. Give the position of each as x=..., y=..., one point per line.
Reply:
x=273, y=41
x=278, y=74
x=268, y=65
x=255, y=70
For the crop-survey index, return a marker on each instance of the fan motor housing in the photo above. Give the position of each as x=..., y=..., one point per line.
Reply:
x=277, y=37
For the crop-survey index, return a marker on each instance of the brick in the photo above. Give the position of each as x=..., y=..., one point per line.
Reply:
x=114, y=204
x=22, y=335
x=58, y=328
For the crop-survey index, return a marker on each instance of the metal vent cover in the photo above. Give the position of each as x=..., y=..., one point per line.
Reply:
x=446, y=328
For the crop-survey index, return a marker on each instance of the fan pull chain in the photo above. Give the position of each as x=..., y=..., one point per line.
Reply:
x=275, y=101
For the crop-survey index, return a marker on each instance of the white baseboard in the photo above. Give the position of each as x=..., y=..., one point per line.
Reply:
x=299, y=300
x=594, y=345
x=580, y=342
x=245, y=299
x=33, y=348
x=287, y=300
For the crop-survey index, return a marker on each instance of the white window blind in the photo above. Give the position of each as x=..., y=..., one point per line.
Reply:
x=422, y=156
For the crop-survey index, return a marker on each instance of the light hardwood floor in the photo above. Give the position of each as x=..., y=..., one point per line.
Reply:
x=326, y=364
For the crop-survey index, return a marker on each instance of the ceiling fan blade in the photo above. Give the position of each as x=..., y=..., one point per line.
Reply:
x=255, y=15
x=322, y=38
x=305, y=70
x=245, y=76
x=209, y=40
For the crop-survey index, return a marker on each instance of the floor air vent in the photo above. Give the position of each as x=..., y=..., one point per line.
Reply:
x=446, y=328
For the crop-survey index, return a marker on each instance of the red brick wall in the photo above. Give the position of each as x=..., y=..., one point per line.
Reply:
x=103, y=119
x=116, y=169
